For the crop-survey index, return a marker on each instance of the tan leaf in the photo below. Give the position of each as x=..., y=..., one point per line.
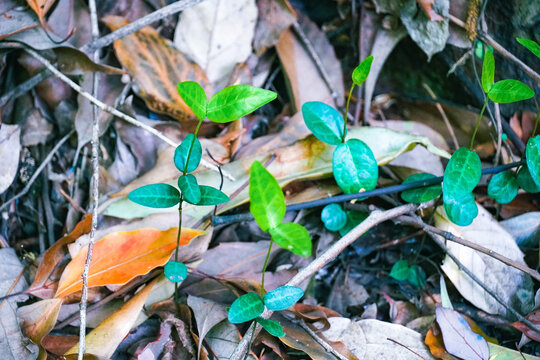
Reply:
x=38, y=319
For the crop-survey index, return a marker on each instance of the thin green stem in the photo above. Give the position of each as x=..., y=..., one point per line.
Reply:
x=178, y=244
x=347, y=111
x=478, y=123
x=265, y=265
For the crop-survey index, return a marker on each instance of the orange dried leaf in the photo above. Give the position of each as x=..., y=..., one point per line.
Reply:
x=436, y=346
x=121, y=256
x=40, y=7
x=427, y=5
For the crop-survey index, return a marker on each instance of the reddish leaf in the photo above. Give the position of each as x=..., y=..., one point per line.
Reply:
x=120, y=256
x=534, y=317
x=427, y=5
x=41, y=7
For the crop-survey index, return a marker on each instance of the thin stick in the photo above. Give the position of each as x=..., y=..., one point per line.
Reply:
x=47, y=159
x=24, y=87
x=443, y=115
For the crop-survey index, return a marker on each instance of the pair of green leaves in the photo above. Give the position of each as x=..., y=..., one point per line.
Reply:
x=414, y=275
x=461, y=176
x=249, y=306
x=267, y=204
x=504, y=91
x=227, y=105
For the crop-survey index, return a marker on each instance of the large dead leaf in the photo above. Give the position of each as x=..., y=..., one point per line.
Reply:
x=10, y=148
x=207, y=314
x=119, y=257
x=513, y=286
x=38, y=319
x=156, y=67
x=274, y=17
x=217, y=34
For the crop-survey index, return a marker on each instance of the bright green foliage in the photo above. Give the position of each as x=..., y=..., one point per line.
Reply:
x=211, y=196
x=176, y=271
x=353, y=219
x=273, y=327
x=532, y=154
x=324, y=122
x=283, y=297
x=189, y=188
x=247, y=307
x=525, y=180
x=236, y=101
x=503, y=187
x=155, y=196
x=417, y=276
x=531, y=45
x=422, y=194
x=460, y=209
x=292, y=237
x=507, y=91
x=333, y=217
x=361, y=72
x=182, y=152
x=355, y=168
x=488, y=71
x=401, y=271
x=267, y=202
x=193, y=95
x=462, y=173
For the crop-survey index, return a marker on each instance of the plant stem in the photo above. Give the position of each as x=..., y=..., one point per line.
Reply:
x=178, y=243
x=478, y=123
x=265, y=265
x=347, y=111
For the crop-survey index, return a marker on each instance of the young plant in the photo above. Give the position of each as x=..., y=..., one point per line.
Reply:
x=414, y=274
x=267, y=204
x=227, y=105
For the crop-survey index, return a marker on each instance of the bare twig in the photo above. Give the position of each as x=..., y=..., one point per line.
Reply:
x=47, y=159
x=443, y=115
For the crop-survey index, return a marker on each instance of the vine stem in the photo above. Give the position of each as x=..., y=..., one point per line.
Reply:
x=477, y=125
x=347, y=111
x=265, y=265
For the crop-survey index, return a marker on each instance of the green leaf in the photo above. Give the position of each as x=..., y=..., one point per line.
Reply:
x=532, y=154
x=355, y=168
x=273, y=327
x=246, y=307
x=531, y=45
x=175, y=271
x=361, y=72
x=353, y=219
x=503, y=187
x=324, y=122
x=292, y=237
x=400, y=270
x=282, y=298
x=182, y=151
x=416, y=276
x=462, y=173
x=488, y=71
x=333, y=217
x=507, y=91
x=422, y=194
x=236, y=101
x=211, y=196
x=155, y=196
x=189, y=188
x=193, y=95
x=267, y=202
x=460, y=209
x=525, y=180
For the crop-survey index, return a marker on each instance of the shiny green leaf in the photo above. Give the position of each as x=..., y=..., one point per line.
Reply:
x=400, y=270
x=267, y=202
x=236, y=101
x=462, y=173
x=460, y=209
x=282, y=298
x=333, y=217
x=503, y=187
x=531, y=45
x=189, y=188
x=155, y=196
x=324, y=122
x=488, y=71
x=532, y=154
x=526, y=182
x=416, y=276
x=247, y=307
x=353, y=219
x=292, y=237
x=361, y=72
x=507, y=91
x=175, y=271
x=193, y=95
x=211, y=196
x=273, y=327
x=355, y=168
x=422, y=194
x=182, y=151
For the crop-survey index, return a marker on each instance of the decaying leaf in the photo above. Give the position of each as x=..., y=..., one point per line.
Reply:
x=533, y=317
x=10, y=148
x=207, y=314
x=119, y=257
x=274, y=17
x=38, y=319
x=223, y=339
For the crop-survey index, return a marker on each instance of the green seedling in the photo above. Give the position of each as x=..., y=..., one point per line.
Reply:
x=229, y=104
x=414, y=274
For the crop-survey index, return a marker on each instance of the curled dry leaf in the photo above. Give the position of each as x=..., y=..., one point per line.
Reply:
x=120, y=256
x=533, y=317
